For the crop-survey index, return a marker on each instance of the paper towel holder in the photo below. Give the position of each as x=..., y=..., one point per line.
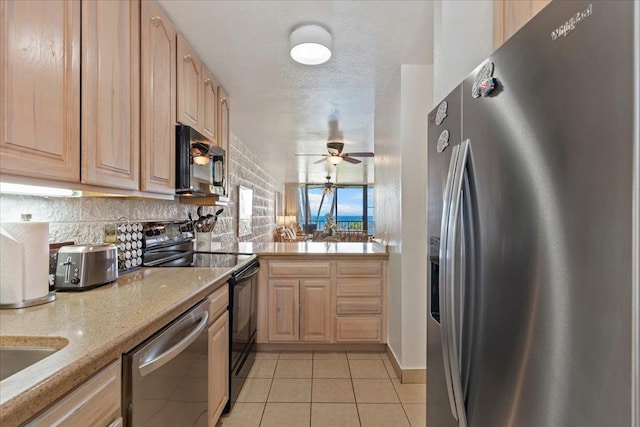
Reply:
x=51, y=296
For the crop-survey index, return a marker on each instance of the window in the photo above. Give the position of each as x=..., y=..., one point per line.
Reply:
x=351, y=206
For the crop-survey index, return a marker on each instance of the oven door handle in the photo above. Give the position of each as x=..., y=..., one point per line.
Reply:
x=148, y=367
x=244, y=277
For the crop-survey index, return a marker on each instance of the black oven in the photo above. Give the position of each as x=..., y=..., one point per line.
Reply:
x=170, y=244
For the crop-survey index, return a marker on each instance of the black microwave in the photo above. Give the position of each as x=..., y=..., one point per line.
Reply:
x=199, y=164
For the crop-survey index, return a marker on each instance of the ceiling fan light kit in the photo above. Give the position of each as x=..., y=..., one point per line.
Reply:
x=310, y=45
x=334, y=160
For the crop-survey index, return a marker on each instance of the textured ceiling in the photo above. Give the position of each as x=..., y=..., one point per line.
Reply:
x=279, y=107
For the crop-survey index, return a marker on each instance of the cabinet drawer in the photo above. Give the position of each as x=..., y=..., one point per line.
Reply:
x=359, y=287
x=368, y=305
x=218, y=302
x=95, y=403
x=299, y=269
x=361, y=328
x=359, y=268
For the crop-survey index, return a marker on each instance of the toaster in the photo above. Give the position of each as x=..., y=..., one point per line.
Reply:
x=83, y=267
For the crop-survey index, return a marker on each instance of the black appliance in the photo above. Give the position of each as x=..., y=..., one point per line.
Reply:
x=170, y=244
x=243, y=305
x=199, y=164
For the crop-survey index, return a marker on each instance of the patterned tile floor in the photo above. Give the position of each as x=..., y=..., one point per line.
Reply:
x=326, y=390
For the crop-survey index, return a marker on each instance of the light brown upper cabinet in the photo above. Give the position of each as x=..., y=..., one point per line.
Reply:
x=210, y=107
x=110, y=114
x=511, y=15
x=40, y=89
x=189, y=86
x=158, y=100
x=224, y=133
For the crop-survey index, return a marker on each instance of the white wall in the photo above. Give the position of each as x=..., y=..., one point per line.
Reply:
x=388, y=203
x=417, y=91
x=463, y=38
x=400, y=146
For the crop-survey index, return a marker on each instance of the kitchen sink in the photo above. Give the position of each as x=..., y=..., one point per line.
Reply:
x=16, y=358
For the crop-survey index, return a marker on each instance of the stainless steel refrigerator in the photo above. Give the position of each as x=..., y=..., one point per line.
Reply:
x=533, y=228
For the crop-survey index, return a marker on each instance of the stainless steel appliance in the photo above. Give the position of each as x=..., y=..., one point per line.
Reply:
x=199, y=164
x=243, y=299
x=165, y=377
x=167, y=244
x=533, y=223
x=83, y=267
x=170, y=244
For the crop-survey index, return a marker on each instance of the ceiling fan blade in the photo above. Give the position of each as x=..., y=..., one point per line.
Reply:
x=323, y=155
x=364, y=154
x=324, y=159
x=352, y=161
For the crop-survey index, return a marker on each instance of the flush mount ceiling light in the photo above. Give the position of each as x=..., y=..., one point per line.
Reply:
x=310, y=45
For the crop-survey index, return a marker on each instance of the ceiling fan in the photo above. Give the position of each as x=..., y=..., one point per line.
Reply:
x=328, y=186
x=335, y=144
x=336, y=156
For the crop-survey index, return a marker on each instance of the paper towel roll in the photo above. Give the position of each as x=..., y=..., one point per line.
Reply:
x=33, y=238
x=10, y=269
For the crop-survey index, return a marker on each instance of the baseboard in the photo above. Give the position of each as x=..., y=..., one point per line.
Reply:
x=406, y=376
x=320, y=347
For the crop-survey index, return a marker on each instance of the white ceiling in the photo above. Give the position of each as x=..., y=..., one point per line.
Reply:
x=279, y=107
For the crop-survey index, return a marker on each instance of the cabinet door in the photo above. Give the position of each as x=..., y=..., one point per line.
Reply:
x=210, y=107
x=94, y=403
x=224, y=133
x=511, y=15
x=111, y=93
x=189, y=86
x=284, y=316
x=315, y=310
x=40, y=88
x=158, y=100
x=218, y=367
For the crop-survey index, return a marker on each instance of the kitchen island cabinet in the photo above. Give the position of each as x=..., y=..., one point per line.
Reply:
x=308, y=298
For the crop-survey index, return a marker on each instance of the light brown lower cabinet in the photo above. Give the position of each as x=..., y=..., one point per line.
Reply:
x=320, y=301
x=315, y=310
x=218, y=367
x=218, y=381
x=94, y=403
x=300, y=310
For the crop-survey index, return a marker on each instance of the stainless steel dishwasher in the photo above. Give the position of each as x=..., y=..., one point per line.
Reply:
x=165, y=377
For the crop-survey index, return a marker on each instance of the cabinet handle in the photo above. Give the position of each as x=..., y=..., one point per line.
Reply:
x=187, y=58
x=156, y=21
x=207, y=82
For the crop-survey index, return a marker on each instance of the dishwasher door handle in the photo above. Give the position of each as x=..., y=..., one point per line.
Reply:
x=146, y=368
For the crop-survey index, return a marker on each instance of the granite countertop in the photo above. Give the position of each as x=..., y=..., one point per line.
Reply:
x=93, y=328
x=332, y=249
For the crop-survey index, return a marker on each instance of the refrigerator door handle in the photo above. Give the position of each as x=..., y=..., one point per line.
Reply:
x=445, y=265
x=450, y=262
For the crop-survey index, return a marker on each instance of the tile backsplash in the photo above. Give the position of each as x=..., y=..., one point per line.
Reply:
x=82, y=220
